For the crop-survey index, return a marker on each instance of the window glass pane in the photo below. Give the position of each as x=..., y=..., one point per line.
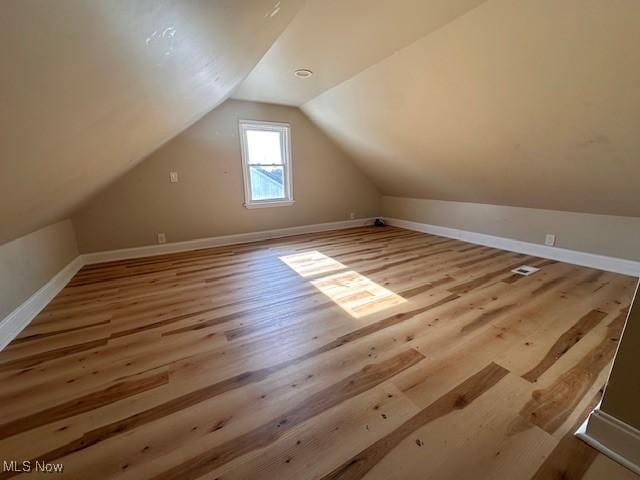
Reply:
x=264, y=147
x=267, y=183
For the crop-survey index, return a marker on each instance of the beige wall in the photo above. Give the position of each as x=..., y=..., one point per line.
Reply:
x=91, y=87
x=28, y=262
x=208, y=199
x=602, y=234
x=622, y=396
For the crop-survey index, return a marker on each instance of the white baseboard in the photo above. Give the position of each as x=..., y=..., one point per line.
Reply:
x=150, y=250
x=612, y=437
x=17, y=320
x=601, y=262
x=13, y=323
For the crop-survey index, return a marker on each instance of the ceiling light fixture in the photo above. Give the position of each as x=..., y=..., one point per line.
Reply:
x=303, y=73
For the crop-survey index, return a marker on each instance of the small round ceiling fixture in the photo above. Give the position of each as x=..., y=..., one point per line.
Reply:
x=303, y=73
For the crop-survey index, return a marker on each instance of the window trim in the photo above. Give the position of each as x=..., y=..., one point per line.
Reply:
x=285, y=130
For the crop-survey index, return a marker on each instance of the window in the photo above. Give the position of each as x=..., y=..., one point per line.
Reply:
x=266, y=163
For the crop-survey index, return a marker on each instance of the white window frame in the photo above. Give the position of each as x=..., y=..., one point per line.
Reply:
x=285, y=147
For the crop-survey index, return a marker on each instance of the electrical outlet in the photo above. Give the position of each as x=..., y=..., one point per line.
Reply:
x=550, y=239
x=352, y=215
x=162, y=238
x=173, y=176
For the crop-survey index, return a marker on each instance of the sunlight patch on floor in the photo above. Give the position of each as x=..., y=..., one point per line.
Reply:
x=356, y=294
x=311, y=263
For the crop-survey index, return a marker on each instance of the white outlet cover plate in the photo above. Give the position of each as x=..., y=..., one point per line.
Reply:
x=173, y=176
x=525, y=270
x=550, y=239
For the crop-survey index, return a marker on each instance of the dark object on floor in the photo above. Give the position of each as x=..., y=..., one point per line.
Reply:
x=378, y=222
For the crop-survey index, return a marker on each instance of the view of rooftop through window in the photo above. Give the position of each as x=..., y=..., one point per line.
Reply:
x=266, y=182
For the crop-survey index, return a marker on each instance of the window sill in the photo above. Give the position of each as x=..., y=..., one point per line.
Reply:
x=277, y=203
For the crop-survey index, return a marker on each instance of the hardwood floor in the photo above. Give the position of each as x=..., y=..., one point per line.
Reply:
x=371, y=352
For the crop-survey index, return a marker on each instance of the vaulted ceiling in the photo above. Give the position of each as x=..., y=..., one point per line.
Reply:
x=89, y=88
x=338, y=39
x=532, y=103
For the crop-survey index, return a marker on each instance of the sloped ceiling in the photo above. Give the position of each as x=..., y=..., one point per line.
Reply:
x=337, y=39
x=91, y=87
x=533, y=103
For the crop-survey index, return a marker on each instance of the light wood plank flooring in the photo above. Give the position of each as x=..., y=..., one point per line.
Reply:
x=366, y=353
